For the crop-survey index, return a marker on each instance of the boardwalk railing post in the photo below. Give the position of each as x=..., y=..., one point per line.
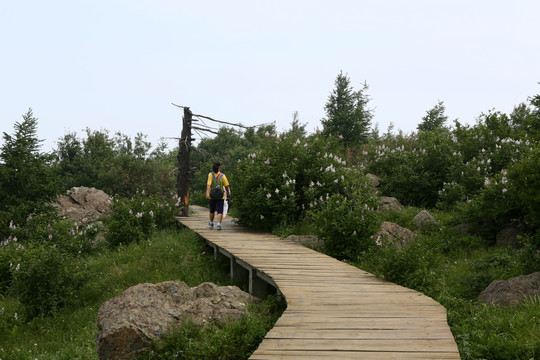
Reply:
x=239, y=274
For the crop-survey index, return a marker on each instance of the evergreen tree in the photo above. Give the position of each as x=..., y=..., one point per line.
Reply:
x=347, y=114
x=435, y=118
x=27, y=181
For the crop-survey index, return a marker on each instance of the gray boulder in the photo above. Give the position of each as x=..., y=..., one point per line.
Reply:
x=508, y=237
x=128, y=323
x=389, y=203
x=424, y=220
x=310, y=241
x=374, y=181
x=392, y=233
x=462, y=229
x=83, y=205
x=511, y=291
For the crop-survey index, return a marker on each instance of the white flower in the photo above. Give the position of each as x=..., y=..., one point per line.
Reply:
x=277, y=191
x=262, y=217
x=268, y=195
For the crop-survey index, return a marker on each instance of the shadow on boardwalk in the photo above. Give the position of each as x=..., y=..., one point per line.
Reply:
x=334, y=310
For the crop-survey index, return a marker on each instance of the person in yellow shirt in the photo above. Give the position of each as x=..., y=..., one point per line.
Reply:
x=217, y=187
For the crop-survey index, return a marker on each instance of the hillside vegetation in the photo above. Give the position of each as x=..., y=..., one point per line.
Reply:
x=485, y=175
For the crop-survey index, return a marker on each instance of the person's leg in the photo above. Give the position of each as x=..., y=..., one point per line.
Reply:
x=219, y=208
x=212, y=210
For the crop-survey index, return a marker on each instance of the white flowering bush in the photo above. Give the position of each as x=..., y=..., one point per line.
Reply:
x=510, y=197
x=45, y=230
x=288, y=176
x=415, y=168
x=134, y=219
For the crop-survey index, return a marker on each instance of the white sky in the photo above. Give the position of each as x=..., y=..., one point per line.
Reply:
x=118, y=64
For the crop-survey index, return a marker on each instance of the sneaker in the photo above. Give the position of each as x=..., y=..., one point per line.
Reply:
x=219, y=226
x=211, y=224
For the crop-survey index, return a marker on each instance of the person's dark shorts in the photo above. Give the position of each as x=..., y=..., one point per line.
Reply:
x=216, y=205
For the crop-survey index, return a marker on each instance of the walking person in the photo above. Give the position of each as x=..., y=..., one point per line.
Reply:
x=217, y=187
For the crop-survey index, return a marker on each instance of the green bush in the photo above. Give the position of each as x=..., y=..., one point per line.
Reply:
x=287, y=177
x=44, y=280
x=8, y=255
x=46, y=229
x=508, y=198
x=135, y=219
x=410, y=266
x=346, y=224
x=529, y=255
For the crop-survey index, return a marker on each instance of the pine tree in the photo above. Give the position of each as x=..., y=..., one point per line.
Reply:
x=435, y=118
x=347, y=114
x=27, y=180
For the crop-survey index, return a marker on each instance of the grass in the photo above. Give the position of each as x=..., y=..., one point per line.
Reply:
x=70, y=333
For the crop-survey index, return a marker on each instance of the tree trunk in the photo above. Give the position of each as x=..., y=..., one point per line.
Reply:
x=184, y=163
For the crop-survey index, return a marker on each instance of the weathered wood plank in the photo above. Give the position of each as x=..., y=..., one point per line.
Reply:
x=350, y=355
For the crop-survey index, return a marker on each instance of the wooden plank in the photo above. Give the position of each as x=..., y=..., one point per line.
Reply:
x=358, y=334
x=350, y=355
x=404, y=345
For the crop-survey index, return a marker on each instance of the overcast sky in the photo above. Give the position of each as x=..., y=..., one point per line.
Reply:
x=118, y=64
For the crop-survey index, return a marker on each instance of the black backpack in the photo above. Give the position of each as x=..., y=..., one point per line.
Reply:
x=216, y=189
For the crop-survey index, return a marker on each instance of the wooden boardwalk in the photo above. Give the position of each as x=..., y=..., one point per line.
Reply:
x=334, y=310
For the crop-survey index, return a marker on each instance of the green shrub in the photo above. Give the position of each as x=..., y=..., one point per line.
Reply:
x=8, y=255
x=44, y=280
x=507, y=198
x=287, y=177
x=529, y=255
x=346, y=225
x=46, y=229
x=135, y=219
x=410, y=266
